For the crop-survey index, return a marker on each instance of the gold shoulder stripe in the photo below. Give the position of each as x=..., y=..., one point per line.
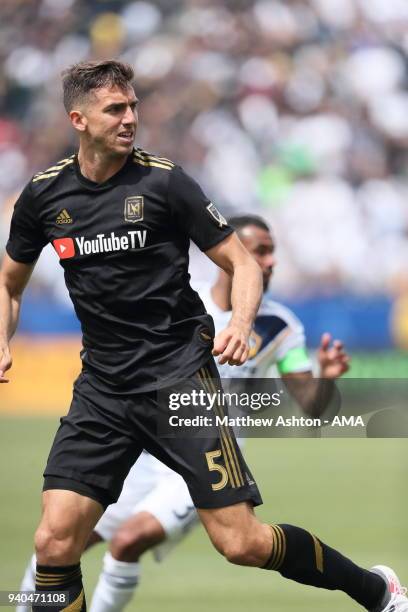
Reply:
x=59, y=163
x=152, y=159
x=58, y=166
x=44, y=176
x=146, y=154
x=151, y=164
x=53, y=171
x=147, y=157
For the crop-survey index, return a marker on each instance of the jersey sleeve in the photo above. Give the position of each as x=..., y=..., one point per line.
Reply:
x=26, y=239
x=194, y=213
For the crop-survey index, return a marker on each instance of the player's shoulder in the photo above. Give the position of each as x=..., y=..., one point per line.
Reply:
x=287, y=318
x=150, y=161
x=48, y=177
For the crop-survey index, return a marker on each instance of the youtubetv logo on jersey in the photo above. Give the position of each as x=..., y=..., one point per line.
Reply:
x=103, y=243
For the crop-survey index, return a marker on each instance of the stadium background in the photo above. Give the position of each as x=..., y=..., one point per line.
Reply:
x=295, y=110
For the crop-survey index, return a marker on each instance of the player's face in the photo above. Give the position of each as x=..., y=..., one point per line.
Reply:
x=110, y=119
x=260, y=244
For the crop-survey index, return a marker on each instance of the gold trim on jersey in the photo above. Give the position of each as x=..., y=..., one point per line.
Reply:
x=225, y=449
x=227, y=443
x=59, y=165
x=54, y=170
x=44, y=176
x=148, y=160
x=227, y=464
x=146, y=154
x=240, y=478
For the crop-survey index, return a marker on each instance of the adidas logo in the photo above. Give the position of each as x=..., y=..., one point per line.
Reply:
x=64, y=217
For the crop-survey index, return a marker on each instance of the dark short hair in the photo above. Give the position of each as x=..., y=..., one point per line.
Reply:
x=241, y=221
x=80, y=79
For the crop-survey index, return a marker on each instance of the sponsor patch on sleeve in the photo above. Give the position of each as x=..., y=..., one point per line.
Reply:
x=216, y=215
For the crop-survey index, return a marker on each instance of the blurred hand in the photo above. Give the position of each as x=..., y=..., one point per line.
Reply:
x=5, y=363
x=232, y=344
x=333, y=359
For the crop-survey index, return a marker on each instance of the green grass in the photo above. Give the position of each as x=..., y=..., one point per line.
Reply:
x=379, y=364
x=350, y=492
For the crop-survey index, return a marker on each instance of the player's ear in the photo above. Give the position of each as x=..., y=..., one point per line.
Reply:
x=78, y=120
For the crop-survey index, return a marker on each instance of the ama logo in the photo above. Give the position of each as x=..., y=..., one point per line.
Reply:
x=64, y=247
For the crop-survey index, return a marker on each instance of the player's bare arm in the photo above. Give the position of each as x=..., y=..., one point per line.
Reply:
x=14, y=277
x=315, y=394
x=231, y=344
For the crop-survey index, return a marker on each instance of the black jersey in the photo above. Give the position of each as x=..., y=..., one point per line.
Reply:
x=124, y=245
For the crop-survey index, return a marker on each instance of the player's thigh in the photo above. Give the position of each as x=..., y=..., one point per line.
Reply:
x=67, y=516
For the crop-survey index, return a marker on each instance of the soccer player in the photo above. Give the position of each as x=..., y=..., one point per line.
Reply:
x=155, y=510
x=120, y=220
x=155, y=501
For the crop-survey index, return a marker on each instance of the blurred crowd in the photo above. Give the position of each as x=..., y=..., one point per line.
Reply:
x=293, y=109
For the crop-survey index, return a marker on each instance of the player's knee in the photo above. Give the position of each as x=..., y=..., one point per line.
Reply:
x=238, y=552
x=132, y=540
x=240, y=547
x=56, y=546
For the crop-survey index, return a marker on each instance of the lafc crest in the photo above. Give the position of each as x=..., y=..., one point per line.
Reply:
x=134, y=209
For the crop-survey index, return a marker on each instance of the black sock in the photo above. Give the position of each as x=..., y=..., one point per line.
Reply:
x=63, y=579
x=300, y=556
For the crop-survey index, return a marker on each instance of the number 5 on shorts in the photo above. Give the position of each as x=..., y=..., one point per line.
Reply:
x=214, y=467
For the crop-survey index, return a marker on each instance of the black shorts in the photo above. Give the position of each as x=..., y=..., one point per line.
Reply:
x=103, y=435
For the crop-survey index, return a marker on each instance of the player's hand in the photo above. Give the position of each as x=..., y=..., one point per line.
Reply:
x=333, y=359
x=5, y=363
x=232, y=345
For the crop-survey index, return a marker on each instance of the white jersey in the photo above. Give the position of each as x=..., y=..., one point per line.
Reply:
x=277, y=346
x=277, y=342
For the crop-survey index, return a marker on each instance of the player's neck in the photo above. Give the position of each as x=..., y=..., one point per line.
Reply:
x=221, y=292
x=98, y=167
